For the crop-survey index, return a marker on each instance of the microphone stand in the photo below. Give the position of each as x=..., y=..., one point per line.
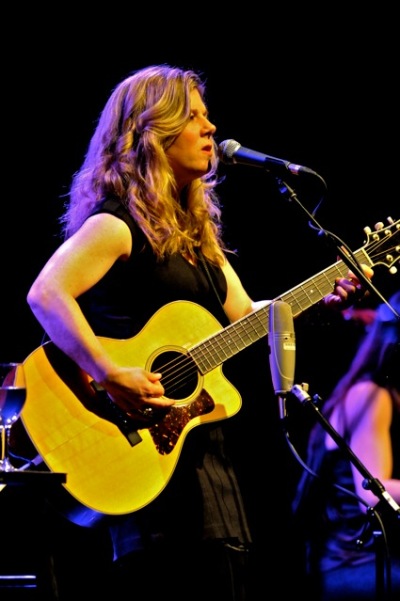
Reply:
x=344, y=252
x=370, y=483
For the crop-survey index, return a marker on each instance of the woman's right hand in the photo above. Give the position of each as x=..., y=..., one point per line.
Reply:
x=136, y=391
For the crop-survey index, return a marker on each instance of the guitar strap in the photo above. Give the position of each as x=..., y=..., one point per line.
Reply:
x=209, y=277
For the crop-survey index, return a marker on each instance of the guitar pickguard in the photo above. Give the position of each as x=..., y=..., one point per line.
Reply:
x=167, y=431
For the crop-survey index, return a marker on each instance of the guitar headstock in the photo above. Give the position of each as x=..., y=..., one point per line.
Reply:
x=384, y=241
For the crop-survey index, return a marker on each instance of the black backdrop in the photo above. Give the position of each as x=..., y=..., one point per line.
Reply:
x=320, y=91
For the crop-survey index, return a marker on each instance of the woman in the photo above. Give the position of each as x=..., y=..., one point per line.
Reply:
x=346, y=541
x=143, y=229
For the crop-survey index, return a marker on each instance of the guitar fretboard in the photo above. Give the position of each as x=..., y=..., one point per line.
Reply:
x=249, y=329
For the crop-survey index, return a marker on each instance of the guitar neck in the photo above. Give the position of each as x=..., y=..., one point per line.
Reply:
x=243, y=333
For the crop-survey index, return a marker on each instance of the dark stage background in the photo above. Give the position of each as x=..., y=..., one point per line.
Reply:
x=323, y=95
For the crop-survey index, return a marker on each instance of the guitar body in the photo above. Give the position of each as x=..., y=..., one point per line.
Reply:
x=109, y=471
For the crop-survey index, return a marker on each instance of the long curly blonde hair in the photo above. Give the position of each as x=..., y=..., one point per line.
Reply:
x=126, y=160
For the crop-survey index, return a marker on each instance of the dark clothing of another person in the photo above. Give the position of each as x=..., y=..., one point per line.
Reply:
x=343, y=544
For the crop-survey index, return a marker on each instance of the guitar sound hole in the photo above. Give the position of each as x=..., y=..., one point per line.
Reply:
x=179, y=374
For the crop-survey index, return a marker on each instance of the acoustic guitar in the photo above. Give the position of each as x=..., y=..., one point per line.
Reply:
x=115, y=466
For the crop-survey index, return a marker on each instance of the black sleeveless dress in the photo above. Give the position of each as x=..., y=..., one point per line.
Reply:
x=202, y=500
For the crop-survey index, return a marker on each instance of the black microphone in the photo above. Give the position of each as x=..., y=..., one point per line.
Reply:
x=282, y=347
x=231, y=152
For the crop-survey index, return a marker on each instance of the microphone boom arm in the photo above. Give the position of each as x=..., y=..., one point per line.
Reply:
x=343, y=251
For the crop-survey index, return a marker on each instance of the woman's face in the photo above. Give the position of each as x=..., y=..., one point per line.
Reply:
x=190, y=153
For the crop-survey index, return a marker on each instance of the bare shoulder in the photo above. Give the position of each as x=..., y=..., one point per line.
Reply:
x=367, y=399
x=106, y=221
x=105, y=233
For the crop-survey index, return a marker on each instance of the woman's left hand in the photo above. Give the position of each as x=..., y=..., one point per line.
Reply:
x=348, y=290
